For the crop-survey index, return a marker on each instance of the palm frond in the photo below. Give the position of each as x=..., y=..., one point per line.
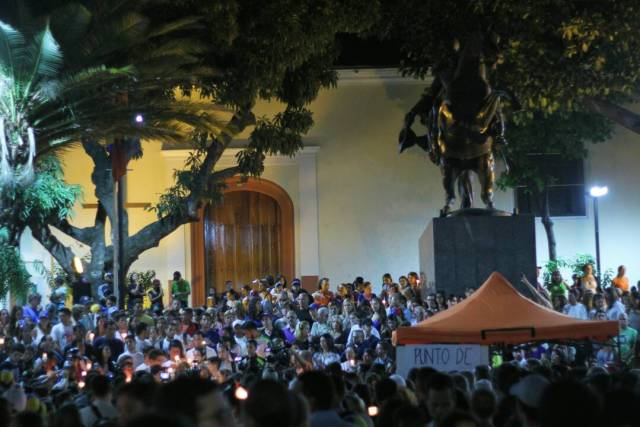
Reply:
x=12, y=47
x=44, y=60
x=187, y=23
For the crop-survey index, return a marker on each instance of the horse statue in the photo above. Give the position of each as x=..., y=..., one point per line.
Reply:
x=465, y=126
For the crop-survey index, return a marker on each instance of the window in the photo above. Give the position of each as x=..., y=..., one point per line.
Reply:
x=566, y=192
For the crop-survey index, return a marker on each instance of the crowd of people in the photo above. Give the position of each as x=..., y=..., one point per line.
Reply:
x=274, y=354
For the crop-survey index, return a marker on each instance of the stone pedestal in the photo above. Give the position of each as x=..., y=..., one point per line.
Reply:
x=459, y=252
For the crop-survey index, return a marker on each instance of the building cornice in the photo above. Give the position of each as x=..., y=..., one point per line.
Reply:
x=366, y=76
x=228, y=158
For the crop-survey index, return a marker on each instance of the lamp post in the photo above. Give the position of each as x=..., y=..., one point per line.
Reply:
x=596, y=192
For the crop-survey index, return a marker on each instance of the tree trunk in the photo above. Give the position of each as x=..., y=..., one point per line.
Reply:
x=620, y=115
x=150, y=235
x=548, y=223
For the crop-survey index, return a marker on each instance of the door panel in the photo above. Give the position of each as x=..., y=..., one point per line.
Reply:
x=242, y=239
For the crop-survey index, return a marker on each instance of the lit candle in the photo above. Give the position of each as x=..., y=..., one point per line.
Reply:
x=241, y=393
x=177, y=359
x=91, y=336
x=352, y=362
x=89, y=365
x=1, y=340
x=83, y=373
x=372, y=411
x=81, y=384
x=44, y=357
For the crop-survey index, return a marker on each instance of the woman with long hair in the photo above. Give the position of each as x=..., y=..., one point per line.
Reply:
x=338, y=334
x=326, y=354
x=379, y=316
x=135, y=291
x=155, y=296
x=348, y=307
x=254, y=311
x=16, y=320
x=302, y=335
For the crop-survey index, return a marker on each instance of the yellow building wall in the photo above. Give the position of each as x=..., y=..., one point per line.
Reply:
x=373, y=203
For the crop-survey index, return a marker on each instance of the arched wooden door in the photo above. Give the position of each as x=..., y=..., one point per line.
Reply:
x=250, y=235
x=242, y=238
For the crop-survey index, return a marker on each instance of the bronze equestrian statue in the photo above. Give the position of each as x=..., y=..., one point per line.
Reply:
x=465, y=126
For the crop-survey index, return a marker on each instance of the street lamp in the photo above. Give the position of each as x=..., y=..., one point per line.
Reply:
x=596, y=192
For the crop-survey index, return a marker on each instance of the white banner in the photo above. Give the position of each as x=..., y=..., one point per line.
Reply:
x=443, y=357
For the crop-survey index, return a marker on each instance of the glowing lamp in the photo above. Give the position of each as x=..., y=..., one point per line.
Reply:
x=597, y=191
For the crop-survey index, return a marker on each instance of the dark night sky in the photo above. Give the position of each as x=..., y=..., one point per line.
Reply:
x=371, y=52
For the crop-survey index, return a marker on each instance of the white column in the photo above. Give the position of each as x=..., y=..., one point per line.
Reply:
x=308, y=199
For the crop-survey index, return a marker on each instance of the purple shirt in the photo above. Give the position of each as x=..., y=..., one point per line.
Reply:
x=289, y=334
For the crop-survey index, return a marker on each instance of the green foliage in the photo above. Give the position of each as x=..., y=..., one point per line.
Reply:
x=552, y=53
x=49, y=199
x=145, y=278
x=14, y=276
x=127, y=58
x=284, y=51
x=574, y=265
x=562, y=132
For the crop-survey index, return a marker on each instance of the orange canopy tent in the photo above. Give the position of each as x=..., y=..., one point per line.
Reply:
x=498, y=313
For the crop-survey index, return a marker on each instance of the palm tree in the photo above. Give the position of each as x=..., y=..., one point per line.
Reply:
x=91, y=77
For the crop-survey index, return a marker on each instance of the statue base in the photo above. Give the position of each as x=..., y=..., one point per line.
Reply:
x=461, y=250
x=476, y=212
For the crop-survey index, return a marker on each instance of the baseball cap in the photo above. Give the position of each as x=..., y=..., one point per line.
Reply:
x=236, y=322
x=530, y=389
x=249, y=324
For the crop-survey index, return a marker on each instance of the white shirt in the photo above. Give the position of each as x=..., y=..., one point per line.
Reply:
x=241, y=343
x=141, y=344
x=59, y=333
x=138, y=358
x=354, y=328
x=347, y=366
x=321, y=359
x=578, y=311
x=615, y=311
x=167, y=342
x=210, y=353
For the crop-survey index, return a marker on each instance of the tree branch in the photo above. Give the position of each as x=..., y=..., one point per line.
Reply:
x=99, y=254
x=224, y=174
x=62, y=254
x=614, y=112
x=83, y=235
x=101, y=176
x=151, y=235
